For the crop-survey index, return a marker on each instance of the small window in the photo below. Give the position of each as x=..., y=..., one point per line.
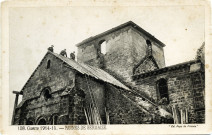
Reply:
x=103, y=46
x=163, y=91
x=48, y=64
x=46, y=94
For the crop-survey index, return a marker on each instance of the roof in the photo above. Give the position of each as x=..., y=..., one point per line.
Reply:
x=165, y=69
x=91, y=71
x=84, y=69
x=130, y=23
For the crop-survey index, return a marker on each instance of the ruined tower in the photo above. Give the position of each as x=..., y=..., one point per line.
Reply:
x=126, y=46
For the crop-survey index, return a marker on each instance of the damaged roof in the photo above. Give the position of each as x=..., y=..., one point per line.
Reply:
x=91, y=71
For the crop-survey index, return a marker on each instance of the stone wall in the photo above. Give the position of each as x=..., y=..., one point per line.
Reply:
x=39, y=107
x=185, y=90
x=76, y=107
x=69, y=108
x=58, y=79
x=125, y=47
x=58, y=74
x=86, y=53
x=158, y=54
x=117, y=60
x=123, y=110
x=94, y=92
x=198, y=80
x=139, y=42
x=146, y=66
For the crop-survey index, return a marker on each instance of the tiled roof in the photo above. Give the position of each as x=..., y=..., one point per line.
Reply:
x=91, y=71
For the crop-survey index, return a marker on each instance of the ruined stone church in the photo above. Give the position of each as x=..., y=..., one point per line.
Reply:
x=127, y=83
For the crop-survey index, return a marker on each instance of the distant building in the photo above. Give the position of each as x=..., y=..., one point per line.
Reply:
x=128, y=83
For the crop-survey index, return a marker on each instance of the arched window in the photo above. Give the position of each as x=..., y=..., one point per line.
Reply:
x=41, y=121
x=48, y=64
x=149, y=47
x=46, y=93
x=163, y=91
x=54, y=120
x=102, y=45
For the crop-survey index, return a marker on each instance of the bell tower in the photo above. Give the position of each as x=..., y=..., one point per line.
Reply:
x=124, y=47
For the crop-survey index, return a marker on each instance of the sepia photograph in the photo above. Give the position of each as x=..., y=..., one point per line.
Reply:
x=106, y=64
x=118, y=77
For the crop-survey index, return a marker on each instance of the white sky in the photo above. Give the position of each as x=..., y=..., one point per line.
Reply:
x=33, y=30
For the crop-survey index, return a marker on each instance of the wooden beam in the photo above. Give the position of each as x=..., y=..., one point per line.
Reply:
x=16, y=92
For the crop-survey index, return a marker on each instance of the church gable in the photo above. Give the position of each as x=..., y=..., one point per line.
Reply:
x=49, y=72
x=146, y=65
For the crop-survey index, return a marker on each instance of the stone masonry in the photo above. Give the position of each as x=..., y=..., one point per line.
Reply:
x=130, y=84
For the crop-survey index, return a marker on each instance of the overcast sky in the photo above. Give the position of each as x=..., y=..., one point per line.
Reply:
x=33, y=30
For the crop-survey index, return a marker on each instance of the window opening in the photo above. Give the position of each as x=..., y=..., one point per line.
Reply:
x=163, y=91
x=48, y=64
x=46, y=94
x=103, y=47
